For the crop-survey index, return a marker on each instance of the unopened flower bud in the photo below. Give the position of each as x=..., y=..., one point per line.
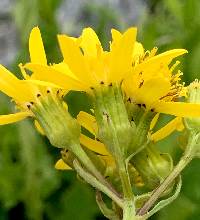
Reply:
x=152, y=165
x=114, y=127
x=193, y=96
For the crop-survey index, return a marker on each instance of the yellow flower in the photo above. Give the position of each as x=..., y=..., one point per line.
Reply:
x=29, y=92
x=24, y=92
x=153, y=85
x=147, y=78
x=87, y=64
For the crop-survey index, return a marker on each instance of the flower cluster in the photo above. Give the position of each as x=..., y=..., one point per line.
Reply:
x=129, y=87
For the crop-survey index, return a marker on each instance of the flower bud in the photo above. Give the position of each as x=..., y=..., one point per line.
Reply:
x=193, y=96
x=61, y=129
x=114, y=127
x=152, y=165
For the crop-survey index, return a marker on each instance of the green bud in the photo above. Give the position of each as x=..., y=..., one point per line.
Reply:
x=135, y=177
x=61, y=129
x=152, y=165
x=114, y=128
x=193, y=96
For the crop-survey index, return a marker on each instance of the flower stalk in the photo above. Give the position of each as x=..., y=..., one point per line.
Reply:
x=187, y=157
x=116, y=132
x=97, y=184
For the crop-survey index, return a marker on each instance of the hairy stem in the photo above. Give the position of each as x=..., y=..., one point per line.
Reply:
x=95, y=183
x=87, y=163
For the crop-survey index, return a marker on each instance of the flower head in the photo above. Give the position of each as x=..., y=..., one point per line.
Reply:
x=155, y=85
x=148, y=79
x=87, y=64
x=24, y=92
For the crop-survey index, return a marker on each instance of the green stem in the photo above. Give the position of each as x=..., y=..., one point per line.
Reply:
x=85, y=160
x=95, y=183
x=129, y=206
x=129, y=210
x=184, y=161
x=126, y=185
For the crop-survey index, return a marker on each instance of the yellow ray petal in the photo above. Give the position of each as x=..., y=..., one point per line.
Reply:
x=89, y=41
x=180, y=109
x=121, y=55
x=50, y=74
x=116, y=35
x=154, y=121
x=7, y=82
x=74, y=58
x=13, y=87
x=151, y=91
x=39, y=128
x=36, y=47
x=87, y=121
x=175, y=124
x=93, y=145
x=61, y=165
x=167, y=56
x=12, y=118
x=43, y=83
x=64, y=68
x=158, y=61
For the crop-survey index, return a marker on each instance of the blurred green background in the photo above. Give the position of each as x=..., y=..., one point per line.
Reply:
x=30, y=187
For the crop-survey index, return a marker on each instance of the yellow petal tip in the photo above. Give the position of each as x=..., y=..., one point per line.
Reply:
x=61, y=165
